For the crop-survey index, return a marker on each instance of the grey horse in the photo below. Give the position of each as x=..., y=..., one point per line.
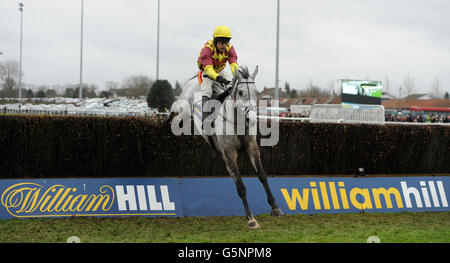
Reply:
x=240, y=138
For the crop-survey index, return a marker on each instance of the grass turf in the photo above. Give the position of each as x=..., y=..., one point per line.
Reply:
x=422, y=227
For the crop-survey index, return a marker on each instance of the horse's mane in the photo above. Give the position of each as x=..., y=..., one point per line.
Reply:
x=244, y=72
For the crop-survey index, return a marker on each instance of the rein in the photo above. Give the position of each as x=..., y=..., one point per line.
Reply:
x=239, y=83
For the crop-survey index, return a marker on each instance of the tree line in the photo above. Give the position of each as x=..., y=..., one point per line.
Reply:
x=159, y=94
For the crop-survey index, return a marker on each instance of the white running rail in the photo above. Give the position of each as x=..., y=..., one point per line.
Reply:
x=337, y=113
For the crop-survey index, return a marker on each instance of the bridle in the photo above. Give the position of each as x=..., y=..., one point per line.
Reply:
x=233, y=95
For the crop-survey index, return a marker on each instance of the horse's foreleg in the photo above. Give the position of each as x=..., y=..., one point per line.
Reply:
x=255, y=159
x=230, y=158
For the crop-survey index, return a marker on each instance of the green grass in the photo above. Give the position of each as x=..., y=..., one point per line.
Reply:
x=392, y=227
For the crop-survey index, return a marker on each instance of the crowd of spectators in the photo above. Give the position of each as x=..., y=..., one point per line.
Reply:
x=288, y=113
x=399, y=117
x=425, y=117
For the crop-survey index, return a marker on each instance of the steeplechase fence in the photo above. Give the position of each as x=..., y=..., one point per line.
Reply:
x=33, y=146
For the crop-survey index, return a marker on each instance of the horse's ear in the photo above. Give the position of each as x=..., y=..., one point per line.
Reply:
x=255, y=72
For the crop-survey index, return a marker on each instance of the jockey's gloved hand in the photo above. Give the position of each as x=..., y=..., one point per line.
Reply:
x=222, y=80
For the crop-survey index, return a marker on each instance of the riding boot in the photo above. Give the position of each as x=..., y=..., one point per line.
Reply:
x=206, y=114
x=222, y=96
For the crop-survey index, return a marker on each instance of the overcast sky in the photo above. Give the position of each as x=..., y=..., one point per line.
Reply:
x=320, y=40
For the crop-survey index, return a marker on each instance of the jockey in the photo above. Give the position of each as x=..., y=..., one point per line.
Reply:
x=211, y=62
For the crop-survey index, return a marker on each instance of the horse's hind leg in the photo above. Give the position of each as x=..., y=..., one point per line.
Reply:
x=230, y=157
x=255, y=159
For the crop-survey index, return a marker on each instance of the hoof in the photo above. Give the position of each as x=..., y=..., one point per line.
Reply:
x=276, y=212
x=253, y=224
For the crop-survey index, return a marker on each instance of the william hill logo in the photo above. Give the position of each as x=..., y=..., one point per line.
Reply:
x=144, y=198
x=34, y=200
x=427, y=194
x=162, y=196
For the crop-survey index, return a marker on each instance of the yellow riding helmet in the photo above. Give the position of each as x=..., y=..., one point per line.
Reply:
x=222, y=31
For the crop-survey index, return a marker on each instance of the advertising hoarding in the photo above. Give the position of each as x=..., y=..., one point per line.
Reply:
x=155, y=197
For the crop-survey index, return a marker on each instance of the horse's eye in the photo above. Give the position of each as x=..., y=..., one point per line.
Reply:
x=240, y=93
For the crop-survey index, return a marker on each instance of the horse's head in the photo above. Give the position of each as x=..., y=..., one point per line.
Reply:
x=245, y=92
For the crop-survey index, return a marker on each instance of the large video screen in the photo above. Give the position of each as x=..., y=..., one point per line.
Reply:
x=361, y=91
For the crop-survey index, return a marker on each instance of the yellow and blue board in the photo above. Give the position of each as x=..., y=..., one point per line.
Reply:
x=89, y=197
x=155, y=197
